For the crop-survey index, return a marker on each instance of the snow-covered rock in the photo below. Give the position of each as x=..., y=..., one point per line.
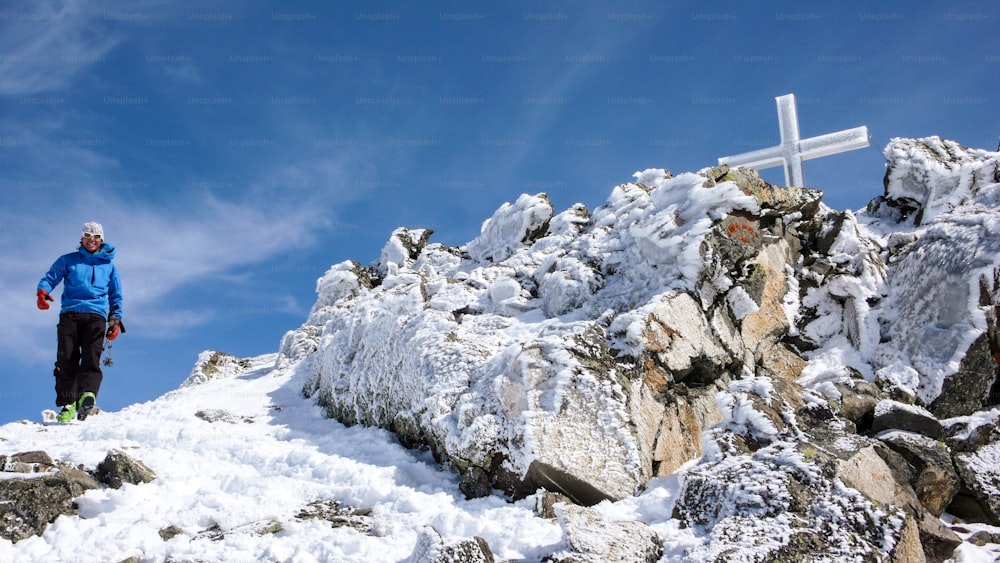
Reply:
x=944, y=277
x=586, y=352
x=212, y=364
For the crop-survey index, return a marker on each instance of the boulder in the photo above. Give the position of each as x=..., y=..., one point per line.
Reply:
x=921, y=179
x=27, y=462
x=119, y=468
x=756, y=503
x=337, y=514
x=881, y=474
x=258, y=528
x=980, y=473
x=938, y=541
x=893, y=415
x=432, y=548
x=933, y=476
x=868, y=473
x=968, y=434
x=709, y=324
x=909, y=548
x=221, y=415
x=968, y=389
x=170, y=532
x=29, y=505
x=212, y=364
x=858, y=399
x=593, y=538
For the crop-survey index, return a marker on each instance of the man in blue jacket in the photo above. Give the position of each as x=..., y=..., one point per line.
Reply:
x=91, y=311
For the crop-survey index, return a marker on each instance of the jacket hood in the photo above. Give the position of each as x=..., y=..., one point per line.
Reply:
x=105, y=253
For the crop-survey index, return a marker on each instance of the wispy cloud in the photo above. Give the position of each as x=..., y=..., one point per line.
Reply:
x=46, y=44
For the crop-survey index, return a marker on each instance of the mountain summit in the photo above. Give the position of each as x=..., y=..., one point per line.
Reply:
x=705, y=368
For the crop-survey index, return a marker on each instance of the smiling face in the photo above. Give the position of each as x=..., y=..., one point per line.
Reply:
x=91, y=242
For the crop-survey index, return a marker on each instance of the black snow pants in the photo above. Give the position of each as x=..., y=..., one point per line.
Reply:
x=78, y=356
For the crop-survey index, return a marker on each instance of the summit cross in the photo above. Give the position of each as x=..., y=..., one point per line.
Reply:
x=792, y=150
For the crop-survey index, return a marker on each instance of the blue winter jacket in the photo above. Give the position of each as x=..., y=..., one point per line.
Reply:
x=91, y=281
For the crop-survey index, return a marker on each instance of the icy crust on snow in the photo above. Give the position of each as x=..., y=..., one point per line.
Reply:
x=486, y=347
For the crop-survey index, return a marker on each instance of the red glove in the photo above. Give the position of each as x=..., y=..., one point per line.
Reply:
x=113, y=328
x=43, y=296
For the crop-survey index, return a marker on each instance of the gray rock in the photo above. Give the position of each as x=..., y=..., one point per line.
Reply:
x=967, y=390
x=909, y=548
x=938, y=541
x=933, y=476
x=740, y=498
x=213, y=364
x=27, y=462
x=892, y=415
x=968, y=435
x=431, y=548
x=628, y=391
x=28, y=506
x=858, y=401
x=981, y=477
x=259, y=528
x=554, y=479
x=592, y=538
x=546, y=503
x=882, y=475
x=337, y=515
x=220, y=415
x=983, y=537
x=119, y=468
x=35, y=457
x=170, y=532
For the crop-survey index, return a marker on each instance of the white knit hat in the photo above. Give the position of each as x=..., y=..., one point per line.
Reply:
x=93, y=228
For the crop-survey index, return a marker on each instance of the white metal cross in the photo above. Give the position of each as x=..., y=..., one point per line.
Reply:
x=792, y=150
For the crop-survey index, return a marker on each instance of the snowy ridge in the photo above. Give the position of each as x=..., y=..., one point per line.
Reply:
x=475, y=328
x=550, y=341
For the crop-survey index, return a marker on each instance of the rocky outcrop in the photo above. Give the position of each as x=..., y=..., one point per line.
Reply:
x=213, y=364
x=940, y=199
x=806, y=358
x=30, y=503
x=47, y=489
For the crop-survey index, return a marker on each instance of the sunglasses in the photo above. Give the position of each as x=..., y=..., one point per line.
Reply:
x=88, y=235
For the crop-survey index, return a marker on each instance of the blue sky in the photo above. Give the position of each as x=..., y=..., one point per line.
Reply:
x=235, y=150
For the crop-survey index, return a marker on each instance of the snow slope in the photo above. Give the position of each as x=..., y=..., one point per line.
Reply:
x=278, y=454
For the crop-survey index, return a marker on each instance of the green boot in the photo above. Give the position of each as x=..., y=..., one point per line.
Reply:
x=67, y=413
x=85, y=404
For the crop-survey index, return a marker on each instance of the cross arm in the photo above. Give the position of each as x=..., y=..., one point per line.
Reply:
x=833, y=143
